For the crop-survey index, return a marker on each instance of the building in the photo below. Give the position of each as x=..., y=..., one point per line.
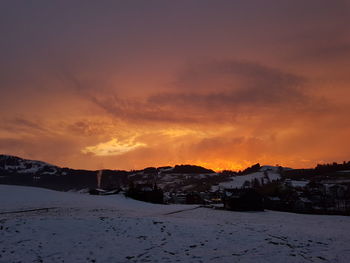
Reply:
x=244, y=199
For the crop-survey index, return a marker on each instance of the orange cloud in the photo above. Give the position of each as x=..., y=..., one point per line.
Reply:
x=113, y=147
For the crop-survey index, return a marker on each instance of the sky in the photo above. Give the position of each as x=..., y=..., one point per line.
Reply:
x=133, y=84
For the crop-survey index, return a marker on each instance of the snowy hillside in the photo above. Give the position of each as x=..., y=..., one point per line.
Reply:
x=265, y=175
x=39, y=225
x=19, y=171
x=14, y=164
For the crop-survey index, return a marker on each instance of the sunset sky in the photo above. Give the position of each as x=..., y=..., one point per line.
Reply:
x=131, y=84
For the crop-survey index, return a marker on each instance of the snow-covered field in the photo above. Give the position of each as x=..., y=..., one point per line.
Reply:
x=82, y=228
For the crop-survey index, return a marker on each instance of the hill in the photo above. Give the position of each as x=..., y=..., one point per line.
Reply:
x=19, y=171
x=180, y=178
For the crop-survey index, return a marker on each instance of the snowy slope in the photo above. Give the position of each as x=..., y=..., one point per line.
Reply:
x=266, y=174
x=22, y=166
x=81, y=228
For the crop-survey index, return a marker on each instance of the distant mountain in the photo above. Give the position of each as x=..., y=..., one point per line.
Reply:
x=13, y=164
x=321, y=172
x=16, y=170
x=189, y=169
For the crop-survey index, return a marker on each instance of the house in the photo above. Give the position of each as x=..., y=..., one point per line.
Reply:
x=316, y=187
x=194, y=198
x=337, y=191
x=244, y=199
x=212, y=197
x=177, y=198
x=274, y=203
x=303, y=204
x=97, y=191
x=146, y=193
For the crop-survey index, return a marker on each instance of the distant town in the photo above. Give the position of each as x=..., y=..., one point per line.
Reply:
x=324, y=189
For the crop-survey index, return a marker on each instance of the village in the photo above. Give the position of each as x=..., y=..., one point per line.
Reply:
x=324, y=189
x=260, y=193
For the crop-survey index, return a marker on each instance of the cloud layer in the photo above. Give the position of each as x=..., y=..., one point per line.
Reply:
x=217, y=83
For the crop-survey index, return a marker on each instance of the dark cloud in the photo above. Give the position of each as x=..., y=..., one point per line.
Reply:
x=87, y=128
x=232, y=68
x=231, y=146
x=29, y=124
x=141, y=111
x=233, y=82
x=332, y=51
x=320, y=44
x=23, y=125
x=239, y=88
x=51, y=149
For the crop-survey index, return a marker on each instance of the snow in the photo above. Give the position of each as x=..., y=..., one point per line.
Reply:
x=299, y=183
x=84, y=228
x=13, y=198
x=238, y=181
x=32, y=170
x=19, y=165
x=167, y=169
